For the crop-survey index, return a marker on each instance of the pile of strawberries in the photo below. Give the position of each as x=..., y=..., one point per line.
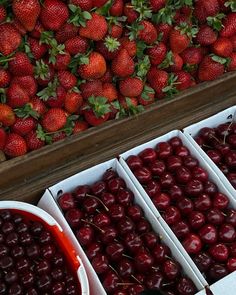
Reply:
x=68, y=65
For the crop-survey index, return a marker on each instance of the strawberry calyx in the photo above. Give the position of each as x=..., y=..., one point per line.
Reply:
x=132, y=109
x=147, y=90
x=231, y=4
x=168, y=61
x=115, y=20
x=41, y=70
x=219, y=59
x=79, y=59
x=180, y=3
x=170, y=90
x=164, y=15
x=134, y=30
x=78, y=17
x=112, y=44
x=49, y=91
x=5, y=59
x=142, y=7
x=3, y=97
x=99, y=105
x=42, y=135
x=216, y=21
x=26, y=111
x=186, y=29
x=142, y=67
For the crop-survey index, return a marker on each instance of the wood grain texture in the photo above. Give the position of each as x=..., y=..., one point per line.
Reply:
x=25, y=178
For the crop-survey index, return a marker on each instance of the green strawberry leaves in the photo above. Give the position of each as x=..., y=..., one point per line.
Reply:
x=99, y=105
x=231, y=4
x=168, y=61
x=143, y=66
x=164, y=15
x=112, y=44
x=216, y=21
x=41, y=70
x=26, y=111
x=49, y=91
x=78, y=17
x=146, y=92
x=220, y=59
x=142, y=7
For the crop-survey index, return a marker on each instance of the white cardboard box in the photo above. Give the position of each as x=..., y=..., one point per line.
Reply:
x=223, y=284
x=213, y=121
x=49, y=203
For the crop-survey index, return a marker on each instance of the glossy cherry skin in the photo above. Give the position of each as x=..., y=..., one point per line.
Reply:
x=172, y=215
x=215, y=216
x=155, y=280
x=134, y=162
x=175, y=192
x=170, y=269
x=143, y=261
x=148, y=155
x=207, y=133
x=163, y=150
x=135, y=212
x=125, y=226
x=108, y=234
x=199, y=174
x=231, y=217
x=143, y=175
x=219, y=252
x=157, y=167
x=161, y=201
x=231, y=264
x=125, y=197
x=91, y=204
x=185, y=205
x=220, y=201
x=85, y=235
x=186, y=287
x=102, y=219
x=109, y=174
x=208, y=234
x=159, y=253
x=115, y=184
x=98, y=187
x=175, y=142
x=143, y=226
x=125, y=267
x=194, y=187
x=183, y=175
x=192, y=244
x=227, y=233
x=181, y=229
x=133, y=242
x=73, y=217
x=110, y=282
x=152, y=188
x=203, y=261
x=196, y=219
x=100, y=263
x=173, y=162
x=166, y=180
x=81, y=192
x=232, y=179
x=150, y=239
x=215, y=156
x=117, y=212
x=66, y=201
x=210, y=188
x=108, y=199
x=202, y=202
x=230, y=159
x=190, y=162
x=115, y=251
x=217, y=272
x=182, y=151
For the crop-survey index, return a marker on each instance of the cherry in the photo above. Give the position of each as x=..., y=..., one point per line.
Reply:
x=217, y=272
x=143, y=261
x=27, y=279
x=108, y=199
x=157, y=167
x=115, y=184
x=15, y=289
x=135, y=212
x=66, y=201
x=155, y=281
x=5, y=214
x=170, y=269
x=202, y=202
x=3, y=288
x=231, y=217
x=210, y=188
x=115, y=251
x=175, y=192
x=190, y=162
x=36, y=228
x=230, y=159
x=194, y=187
x=143, y=226
x=135, y=289
x=172, y=215
x=192, y=244
x=161, y=201
x=227, y=233
x=182, y=151
x=100, y=263
x=196, y=219
x=200, y=174
x=81, y=192
x=181, y=229
x=47, y=251
x=134, y=162
x=108, y=234
x=143, y=175
x=133, y=242
x=45, y=237
x=215, y=216
x=98, y=188
x=152, y=188
x=43, y=267
x=207, y=133
x=125, y=197
x=186, y=287
x=175, y=142
x=33, y=251
x=44, y=282
x=117, y=212
x=173, y=162
x=159, y=253
x=125, y=267
x=183, y=175
x=219, y=252
x=109, y=174
x=22, y=264
x=220, y=201
x=224, y=168
x=203, y=261
x=85, y=235
x=232, y=179
x=110, y=282
x=93, y=249
x=223, y=148
x=208, y=234
x=17, y=251
x=232, y=249
x=185, y=205
x=125, y=226
x=150, y=239
x=101, y=219
x=166, y=180
x=11, y=277
x=231, y=264
x=215, y=156
x=4, y=250
x=57, y=288
x=163, y=150
x=90, y=205
x=148, y=155
x=73, y=217
x=7, y=227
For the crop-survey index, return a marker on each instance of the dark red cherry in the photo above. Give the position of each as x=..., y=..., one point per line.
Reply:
x=93, y=249
x=232, y=179
x=210, y=188
x=135, y=212
x=172, y=215
x=208, y=234
x=150, y=239
x=81, y=192
x=44, y=282
x=108, y=234
x=231, y=217
x=125, y=197
x=194, y=187
x=175, y=192
x=143, y=175
x=163, y=150
x=109, y=174
x=186, y=287
x=134, y=162
x=230, y=159
x=175, y=141
x=85, y=235
x=159, y=253
x=143, y=261
x=117, y=212
x=43, y=267
x=199, y=174
x=220, y=201
x=161, y=201
x=115, y=251
x=108, y=199
x=207, y=133
x=173, y=162
x=133, y=242
x=181, y=229
x=170, y=269
x=125, y=226
x=227, y=233
x=217, y=272
x=219, y=252
x=215, y=216
x=196, y=219
x=182, y=151
x=185, y=206
x=155, y=281
x=202, y=202
x=215, y=156
x=148, y=155
x=192, y=244
x=11, y=277
x=100, y=263
x=28, y=279
x=190, y=162
x=203, y=261
x=73, y=217
x=110, y=282
x=157, y=167
x=142, y=226
x=183, y=175
x=231, y=264
x=101, y=219
x=33, y=251
x=167, y=180
x=98, y=188
x=115, y=184
x=125, y=267
x=66, y=201
x=152, y=188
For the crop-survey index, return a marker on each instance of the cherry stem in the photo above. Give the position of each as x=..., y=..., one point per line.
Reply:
x=85, y=221
x=227, y=132
x=136, y=279
x=113, y=269
x=99, y=200
x=127, y=256
x=125, y=284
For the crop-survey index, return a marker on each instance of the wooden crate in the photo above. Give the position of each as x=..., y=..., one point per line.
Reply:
x=25, y=178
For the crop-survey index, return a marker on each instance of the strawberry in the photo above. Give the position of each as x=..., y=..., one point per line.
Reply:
x=131, y=87
x=232, y=64
x=93, y=119
x=95, y=68
x=37, y=48
x=117, y=8
x=229, y=25
x=37, y=31
x=10, y=39
x=58, y=136
x=54, y=119
x=76, y=45
x=115, y=30
x=80, y=126
x=19, y=27
x=147, y=96
x=17, y=96
x=67, y=79
x=233, y=41
x=57, y=98
x=97, y=111
x=28, y=83
x=192, y=55
x=3, y=13
x=204, y=9
x=129, y=45
x=107, y=77
x=109, y=91
x=5, y=78
x=38, y=106
x=66, y=32
x=156, y=5
x=15, y=145
x=44, y=72
x=109, y=49
x=23, y=126
x=210, y=69
x=176, y=63
x=90, y=30
x=222, y=47
x=206, y=36
x=157, y=53
x=91, y=88
x=7, y=115
x=158, y=79
x=20, y=65
x=130, y=13
x=123, y=65
x=54, y=13
x=184, y=80
x=163, y=31
x=27, y=12
x=33, y=142
x=83, y=4
x=148, y=33
x=99, y=3
x=3, y=138
x=62, y=61
x=73, y=102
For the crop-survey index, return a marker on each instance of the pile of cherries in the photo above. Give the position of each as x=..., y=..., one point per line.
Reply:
x=220, y=145
x=125, y=252
x=30, y=261
x=191, y=205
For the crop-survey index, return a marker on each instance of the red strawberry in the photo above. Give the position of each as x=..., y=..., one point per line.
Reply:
x=229, y=25
x=107, y=77
x=93, y=119
x=37, y=48
x=37, y=31
x=62, y=61
x=163, y=31
x=23, y=126
x=157, y=53
x=58, y=100
x=222, y=47
x=99, y=3
x=20, y=65
x=108, y=49
x=73, y=102
x=129, y=45
x=192, y=55
x=10, y=39
x=176, y=63
x=109, y=91
x=76, y=45
x=123, y=65
x=90, y=31
x=91, y=88
x=83, y=4
x=67, y=79
x=28, y=83
x=66, y=32
x=223, y=7
x=33, y=142
x=232, y=64
x=19, y=27
x=158, y=79
x=128, y=102
x=184, y=80
x=7, y=115
x=147, y=96
x=44, y=73
x=233, y=41
x=15, y=145
x=206, y=36
x=3, y=13
x=80, y=126
x=27, y=12
x=156, y=5
x=38, y=106
x=54, y=119
x=5, y=78
x=115, y=30
x=17, y=96
x=210, y=69
x=117, y=8
x=203, y=9
x=148, y=33
x=58, y=136
x=3, y=138
x=130, y=13
x=54, y=14
x=131, y=87
x=95, y=68
x=180, y=38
